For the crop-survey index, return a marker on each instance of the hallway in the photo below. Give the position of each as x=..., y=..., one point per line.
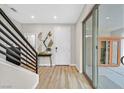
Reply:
x=61, y=77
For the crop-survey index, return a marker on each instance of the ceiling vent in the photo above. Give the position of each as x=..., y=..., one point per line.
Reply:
x=14, y=10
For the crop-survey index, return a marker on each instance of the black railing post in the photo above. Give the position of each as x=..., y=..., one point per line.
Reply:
x=36, y=63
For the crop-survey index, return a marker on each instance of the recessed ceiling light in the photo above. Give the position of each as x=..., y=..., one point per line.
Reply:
x=55, y=17
x=32, y=17
x=107, y=17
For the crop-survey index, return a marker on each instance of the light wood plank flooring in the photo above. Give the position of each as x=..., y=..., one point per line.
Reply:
x=61, y=77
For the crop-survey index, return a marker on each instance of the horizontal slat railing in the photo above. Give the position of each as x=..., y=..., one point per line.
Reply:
x=15, y=28
x=16, y=39
x=28, y=55
x=16, y=60
x=15, y=54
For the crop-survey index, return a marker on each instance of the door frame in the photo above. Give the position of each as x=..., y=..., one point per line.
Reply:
x=94, y=81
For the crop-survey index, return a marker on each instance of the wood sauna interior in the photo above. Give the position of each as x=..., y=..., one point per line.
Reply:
x=109, y=51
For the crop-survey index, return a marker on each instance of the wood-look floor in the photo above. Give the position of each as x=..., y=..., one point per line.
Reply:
x=61, y=77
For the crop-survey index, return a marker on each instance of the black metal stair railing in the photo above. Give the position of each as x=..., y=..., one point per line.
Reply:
x=19, y=50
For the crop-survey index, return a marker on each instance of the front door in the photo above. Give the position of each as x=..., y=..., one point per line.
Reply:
x=62, y=43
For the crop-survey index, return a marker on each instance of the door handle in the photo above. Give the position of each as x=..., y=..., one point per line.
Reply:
x=56, y=49
x=122, y=60
x=96, y=47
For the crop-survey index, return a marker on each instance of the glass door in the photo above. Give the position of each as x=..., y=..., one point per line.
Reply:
x=90, y=47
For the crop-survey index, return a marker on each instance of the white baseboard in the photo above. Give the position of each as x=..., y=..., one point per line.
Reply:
x=46, y=65
x=76, y=67
x=80, y=71
x=72, y=64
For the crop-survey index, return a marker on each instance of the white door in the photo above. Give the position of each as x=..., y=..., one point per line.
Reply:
x=62, y=43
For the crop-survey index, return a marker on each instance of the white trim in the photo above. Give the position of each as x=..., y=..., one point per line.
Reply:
x=80, y=71
x=72, y=64
x=36, y=84
x=45, y=64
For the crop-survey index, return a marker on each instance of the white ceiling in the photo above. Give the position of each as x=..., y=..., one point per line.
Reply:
x=44, y=13
x=115, y=13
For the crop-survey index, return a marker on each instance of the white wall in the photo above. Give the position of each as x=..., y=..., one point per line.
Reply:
x=78, y=53
x=45, y=28
x=73, y=45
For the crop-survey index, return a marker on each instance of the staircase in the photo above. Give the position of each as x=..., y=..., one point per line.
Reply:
x=18, y=59
x=14, y=45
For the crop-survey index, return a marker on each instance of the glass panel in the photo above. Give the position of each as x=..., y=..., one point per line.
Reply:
x=111, y=32
x=90, y=28
x=105, y=52
x=88, y=38
x=115, y=50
